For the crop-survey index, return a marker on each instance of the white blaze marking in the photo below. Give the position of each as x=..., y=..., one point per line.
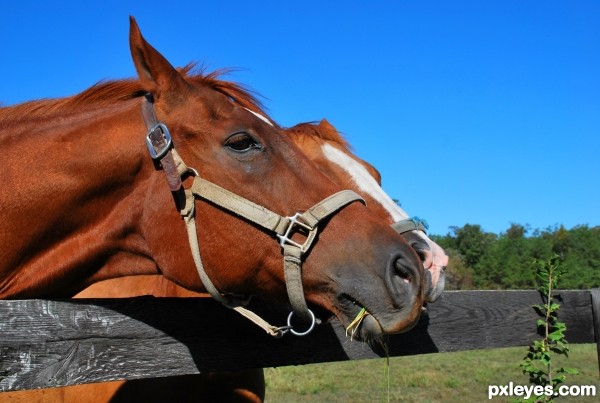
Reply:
x=364, y=180
x=261, y=117
x=436, y=257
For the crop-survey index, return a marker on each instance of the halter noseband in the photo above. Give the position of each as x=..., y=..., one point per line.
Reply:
x=410, y=224
x=161, y=149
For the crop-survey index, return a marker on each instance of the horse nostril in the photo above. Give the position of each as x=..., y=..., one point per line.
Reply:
x=403, y=279
x=419, y=245
x=403, y=272
x=423, y=251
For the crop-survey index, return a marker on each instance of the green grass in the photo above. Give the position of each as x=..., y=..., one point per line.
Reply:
x=443, y=377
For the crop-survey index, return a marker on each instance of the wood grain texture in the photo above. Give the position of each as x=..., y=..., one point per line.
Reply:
x=46, y=343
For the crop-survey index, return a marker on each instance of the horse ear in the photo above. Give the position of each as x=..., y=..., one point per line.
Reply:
x=328, y=128
x=156, y=74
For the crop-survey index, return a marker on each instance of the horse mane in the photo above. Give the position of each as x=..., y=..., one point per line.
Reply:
x=106, y=93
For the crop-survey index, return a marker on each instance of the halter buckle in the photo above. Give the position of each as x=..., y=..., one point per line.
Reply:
x=161, y=139
x=293, y=227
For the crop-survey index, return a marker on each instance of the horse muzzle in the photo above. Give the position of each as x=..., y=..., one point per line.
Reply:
x=370, y=310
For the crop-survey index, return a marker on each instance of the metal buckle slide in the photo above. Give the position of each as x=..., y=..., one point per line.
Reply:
x=294, y=222
x=152, y=139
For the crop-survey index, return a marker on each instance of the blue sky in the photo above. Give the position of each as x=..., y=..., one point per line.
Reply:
x=475, y=112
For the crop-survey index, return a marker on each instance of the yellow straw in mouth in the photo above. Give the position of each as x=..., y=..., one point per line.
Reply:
x=355, y=324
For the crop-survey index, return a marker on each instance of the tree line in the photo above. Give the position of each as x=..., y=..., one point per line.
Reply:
x=484, y=260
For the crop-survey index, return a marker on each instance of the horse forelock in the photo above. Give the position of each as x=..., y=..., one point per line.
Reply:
x=106, y=93
x=235, y=92
x=323, y=131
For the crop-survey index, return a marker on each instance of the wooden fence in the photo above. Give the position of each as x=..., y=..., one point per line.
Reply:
x=46, y=343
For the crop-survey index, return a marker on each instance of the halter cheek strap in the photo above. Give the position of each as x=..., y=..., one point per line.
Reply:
x=161, y=150
x=160, y=145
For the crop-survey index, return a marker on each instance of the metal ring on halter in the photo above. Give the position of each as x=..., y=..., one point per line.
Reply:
x=192, y=172
x=311, y=327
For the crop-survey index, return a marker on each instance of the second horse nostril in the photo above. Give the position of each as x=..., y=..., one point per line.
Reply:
x=421, y=248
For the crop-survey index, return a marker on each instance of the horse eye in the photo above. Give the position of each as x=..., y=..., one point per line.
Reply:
x=241, y=142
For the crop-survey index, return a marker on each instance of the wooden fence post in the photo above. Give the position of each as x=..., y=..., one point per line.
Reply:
x=595, y=293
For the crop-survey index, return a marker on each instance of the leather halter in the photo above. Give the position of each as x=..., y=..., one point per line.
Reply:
x=161, y=149
x=410, y=224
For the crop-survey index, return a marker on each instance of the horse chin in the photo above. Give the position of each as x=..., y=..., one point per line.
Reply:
x=358, y=327
x=370, y=329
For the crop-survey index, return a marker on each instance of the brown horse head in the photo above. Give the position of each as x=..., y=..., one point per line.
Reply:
x=323, y=145
x=85, y=202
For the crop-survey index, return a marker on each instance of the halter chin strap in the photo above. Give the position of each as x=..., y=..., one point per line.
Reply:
x=161, y=149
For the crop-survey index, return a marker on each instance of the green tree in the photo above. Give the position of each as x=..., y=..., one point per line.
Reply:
x=489, y=261
x=506, y=262
x=582, y=258
x=472, y=242
x=458, y=275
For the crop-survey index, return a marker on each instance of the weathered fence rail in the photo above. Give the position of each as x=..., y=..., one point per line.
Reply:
x=46, y=343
